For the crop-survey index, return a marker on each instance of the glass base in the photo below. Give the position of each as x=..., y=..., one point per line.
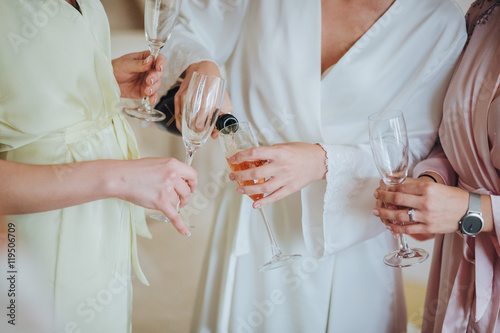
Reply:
x=278, y=261
x=142, y=114
x=406, y=259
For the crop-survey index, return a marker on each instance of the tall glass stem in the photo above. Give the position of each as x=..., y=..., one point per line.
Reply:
x=275, y=250
x=404, y=248
x=188, y=161
x=189, y=157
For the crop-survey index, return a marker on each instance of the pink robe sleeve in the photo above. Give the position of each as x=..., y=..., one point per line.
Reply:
x=438, y=163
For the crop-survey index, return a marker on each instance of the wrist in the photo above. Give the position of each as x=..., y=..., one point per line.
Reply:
x=112, y=179
x=431, y=177
x=205, y=67
x=322, y=165
x=487, y=211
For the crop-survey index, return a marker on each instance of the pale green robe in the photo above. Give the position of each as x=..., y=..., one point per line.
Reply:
x=59, y=104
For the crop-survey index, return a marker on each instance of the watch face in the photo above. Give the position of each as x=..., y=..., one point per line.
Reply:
x=472, y=224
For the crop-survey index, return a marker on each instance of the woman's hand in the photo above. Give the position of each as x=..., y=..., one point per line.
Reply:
x=155, y=183
x=136, y=75
x=290, y=167
x=438, y=208
x=207, y=68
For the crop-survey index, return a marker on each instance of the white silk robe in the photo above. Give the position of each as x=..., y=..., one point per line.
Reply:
x=59, y=104
x=271, y=51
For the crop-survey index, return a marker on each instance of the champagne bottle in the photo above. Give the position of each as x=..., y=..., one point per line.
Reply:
x=226, y=120
x=167, y=106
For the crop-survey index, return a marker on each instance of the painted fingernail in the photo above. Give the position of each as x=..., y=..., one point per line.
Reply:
x=240, y=190
x=146, y=60
x=161, y=68
x=232, y=159
x=151, y=91
x=187, y=233
x=231, y=176
x=375, y=194
x=256, y=205
x=152, y=80
x=375, y=212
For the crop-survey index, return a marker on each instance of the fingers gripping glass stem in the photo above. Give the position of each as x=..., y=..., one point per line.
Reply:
x=160, y=17
x=389, y=144
x=238, y=137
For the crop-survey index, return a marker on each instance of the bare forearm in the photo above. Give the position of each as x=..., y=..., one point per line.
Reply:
x=36, y=188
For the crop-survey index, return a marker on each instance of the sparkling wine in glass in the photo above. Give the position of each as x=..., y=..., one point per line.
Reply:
x=159, y=21
x=389, y=143
x=238, y=137
x=200, y=112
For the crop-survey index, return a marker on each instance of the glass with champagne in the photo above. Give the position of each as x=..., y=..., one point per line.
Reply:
x=238, y=137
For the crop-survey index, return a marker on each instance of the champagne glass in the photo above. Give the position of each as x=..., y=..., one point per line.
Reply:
x=201, y=108
x=159, y=21
x=389, y=143
x=237, y=137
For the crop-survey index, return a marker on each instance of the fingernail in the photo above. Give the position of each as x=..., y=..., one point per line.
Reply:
x=146, y=60
x=151, y=91
x=161, y=68
x=240, y=190
x=375, y=194
x=152, y=80
x=375, y=212
x=231, y=176
x=232, y=159
x=256, y=205
x=388, y=228
x=187, y=233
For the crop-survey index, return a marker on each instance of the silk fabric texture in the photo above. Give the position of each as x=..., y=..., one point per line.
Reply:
x=59, y=104
x=463, y=293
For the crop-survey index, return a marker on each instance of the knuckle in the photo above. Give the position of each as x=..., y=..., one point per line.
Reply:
x=427, y=188
x=398, y=198
x=266, y=188
x=253, y=153
x=400, y=216
x=254, y=174
x=426, y=204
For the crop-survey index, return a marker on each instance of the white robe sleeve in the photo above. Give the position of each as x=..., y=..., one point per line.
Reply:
x=207, y=30
x=344, y=217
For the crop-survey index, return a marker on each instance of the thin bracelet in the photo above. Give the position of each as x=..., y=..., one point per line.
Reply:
x=426, y=175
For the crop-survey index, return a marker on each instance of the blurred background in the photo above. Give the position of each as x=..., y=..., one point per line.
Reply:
x=173, y=262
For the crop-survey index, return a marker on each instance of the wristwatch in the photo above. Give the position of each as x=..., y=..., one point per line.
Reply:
x=472, y=223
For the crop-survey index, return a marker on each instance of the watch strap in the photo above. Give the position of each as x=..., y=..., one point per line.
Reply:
x=474, y=202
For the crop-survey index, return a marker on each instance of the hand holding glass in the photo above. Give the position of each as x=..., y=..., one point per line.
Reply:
x=201, y=108
x=159, y=21
x=238, y=137
x=389, y=143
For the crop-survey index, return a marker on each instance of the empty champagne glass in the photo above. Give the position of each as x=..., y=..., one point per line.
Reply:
x=238, y=137
x=389, y=143
x=159, y=21
x=201, y=108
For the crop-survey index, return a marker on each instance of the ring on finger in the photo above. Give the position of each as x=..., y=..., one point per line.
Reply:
x=411, y=214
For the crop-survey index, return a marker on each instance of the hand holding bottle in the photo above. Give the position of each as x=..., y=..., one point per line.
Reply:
x=207, y=68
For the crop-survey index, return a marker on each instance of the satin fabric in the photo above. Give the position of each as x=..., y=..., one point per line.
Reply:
x=59, y=104
x=271, y=51
x=464, y=284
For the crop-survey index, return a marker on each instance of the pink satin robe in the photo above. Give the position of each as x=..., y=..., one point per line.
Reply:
x=464, y=284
